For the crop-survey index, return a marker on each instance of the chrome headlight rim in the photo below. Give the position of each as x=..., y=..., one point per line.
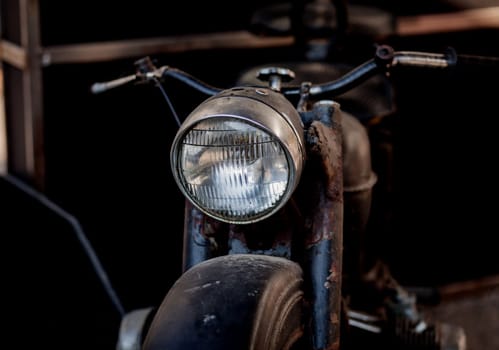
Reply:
x=255, y=107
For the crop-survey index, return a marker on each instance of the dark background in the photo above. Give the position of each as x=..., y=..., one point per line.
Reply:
x=107, y=163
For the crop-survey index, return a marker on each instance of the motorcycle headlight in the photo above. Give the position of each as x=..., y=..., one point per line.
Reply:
x=239, y=155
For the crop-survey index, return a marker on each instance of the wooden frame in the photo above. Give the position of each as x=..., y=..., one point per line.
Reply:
x=25, y=140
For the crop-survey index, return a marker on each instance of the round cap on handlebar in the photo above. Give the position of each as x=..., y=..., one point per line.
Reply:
x=275, y=76
x=285, y=74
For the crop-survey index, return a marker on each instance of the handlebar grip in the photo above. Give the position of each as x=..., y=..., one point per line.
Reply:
x=97, y=88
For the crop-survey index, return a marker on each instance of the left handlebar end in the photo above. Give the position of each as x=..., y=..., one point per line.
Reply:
x=97, y=88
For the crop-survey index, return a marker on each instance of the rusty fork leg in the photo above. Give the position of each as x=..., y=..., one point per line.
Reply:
x=324, y=237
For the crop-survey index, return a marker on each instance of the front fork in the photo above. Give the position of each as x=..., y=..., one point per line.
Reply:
x=322, y=198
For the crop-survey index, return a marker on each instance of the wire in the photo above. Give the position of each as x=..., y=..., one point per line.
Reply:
x=80, y=234
x=165, y=95
x=190, y=80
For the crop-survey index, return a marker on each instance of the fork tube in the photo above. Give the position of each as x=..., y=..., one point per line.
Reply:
x=325, y=235
x=197, y=245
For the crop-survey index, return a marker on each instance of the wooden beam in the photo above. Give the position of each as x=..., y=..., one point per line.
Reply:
x=13, y=54
x=31, y=164
x=111, y=50
x=471, y=287
x=479, y=18
x=3, y=129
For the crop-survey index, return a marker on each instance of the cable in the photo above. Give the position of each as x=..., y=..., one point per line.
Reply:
x=165, y=95
x=94, y=260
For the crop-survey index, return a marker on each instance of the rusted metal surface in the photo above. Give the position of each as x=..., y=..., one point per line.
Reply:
x=199, y=241
x=273, y=236
x=325, y=147
x=323, y=210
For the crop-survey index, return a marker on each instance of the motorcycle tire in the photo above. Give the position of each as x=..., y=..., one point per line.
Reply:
x=239, y=301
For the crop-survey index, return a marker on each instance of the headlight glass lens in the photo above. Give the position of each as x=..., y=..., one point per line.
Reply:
x=233, y=169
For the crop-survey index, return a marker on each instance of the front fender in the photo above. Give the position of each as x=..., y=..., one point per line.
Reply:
x=239, y=301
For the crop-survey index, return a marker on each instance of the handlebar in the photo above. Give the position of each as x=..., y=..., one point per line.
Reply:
x=147, y=72
x=384, y=59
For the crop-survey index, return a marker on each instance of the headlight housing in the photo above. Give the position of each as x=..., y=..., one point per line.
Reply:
x=239, y=155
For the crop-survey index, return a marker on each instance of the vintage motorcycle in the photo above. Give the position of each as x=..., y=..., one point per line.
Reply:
x=278, y=178
x=278, y=183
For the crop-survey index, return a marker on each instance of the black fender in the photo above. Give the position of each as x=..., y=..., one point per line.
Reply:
x=239, y=301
